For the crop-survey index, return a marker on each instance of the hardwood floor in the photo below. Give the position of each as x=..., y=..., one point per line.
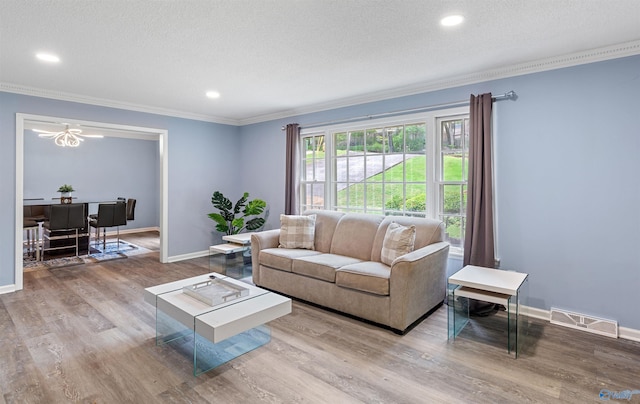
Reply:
x=84, y=334
x=147, y=239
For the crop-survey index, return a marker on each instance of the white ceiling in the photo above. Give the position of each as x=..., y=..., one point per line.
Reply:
x=274, y=58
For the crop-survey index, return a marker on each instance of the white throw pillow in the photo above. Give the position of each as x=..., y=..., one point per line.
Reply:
x=398, y=240
x=297, y=231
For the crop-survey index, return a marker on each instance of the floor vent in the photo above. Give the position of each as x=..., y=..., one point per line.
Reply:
x=608, y=328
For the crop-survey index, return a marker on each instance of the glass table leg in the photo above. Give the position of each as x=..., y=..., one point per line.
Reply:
x=169, y=329
x=234, y=265
x=518, y=320
x=522, y=332
x=207, y=355
x=457, y=313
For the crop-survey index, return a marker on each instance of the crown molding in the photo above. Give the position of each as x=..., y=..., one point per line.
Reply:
x=573, y=59
x=63, y=96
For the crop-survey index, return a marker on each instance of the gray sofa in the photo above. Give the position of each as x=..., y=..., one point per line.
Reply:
x=344, y=272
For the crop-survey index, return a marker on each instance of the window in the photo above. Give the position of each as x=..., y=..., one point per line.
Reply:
x=453, y=167
x=413, y=165
x=312, y=180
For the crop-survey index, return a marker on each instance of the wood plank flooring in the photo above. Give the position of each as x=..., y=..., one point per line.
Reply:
x=84, y=334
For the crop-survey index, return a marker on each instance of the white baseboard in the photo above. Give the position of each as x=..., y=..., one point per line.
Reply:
x=534, y=312
x=182, y=257
x=7, y=289
x=541, y=314
x=629, y=333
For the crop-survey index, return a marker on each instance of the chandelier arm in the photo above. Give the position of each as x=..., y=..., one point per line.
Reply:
x=66, y=138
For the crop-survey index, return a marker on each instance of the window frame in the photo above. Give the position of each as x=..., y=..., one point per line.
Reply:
x=314, y=181
x=439, y=177
x=433, y=150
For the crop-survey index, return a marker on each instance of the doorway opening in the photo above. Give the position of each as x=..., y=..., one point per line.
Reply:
x=28, y=121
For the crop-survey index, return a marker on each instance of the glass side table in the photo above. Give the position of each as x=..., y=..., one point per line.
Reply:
x=508, y=288
x=232, y=258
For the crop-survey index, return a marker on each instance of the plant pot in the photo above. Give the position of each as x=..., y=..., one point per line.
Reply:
x=65, y=197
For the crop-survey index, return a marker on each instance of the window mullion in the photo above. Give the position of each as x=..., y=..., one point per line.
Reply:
x=404, y=170
x=328, y=171
x=364, y=171
x=432, y=151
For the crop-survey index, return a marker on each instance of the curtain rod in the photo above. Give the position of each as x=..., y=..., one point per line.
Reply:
x=508, y=95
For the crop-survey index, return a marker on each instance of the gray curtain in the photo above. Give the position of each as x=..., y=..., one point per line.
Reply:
x=479, y=237
x=292, y=175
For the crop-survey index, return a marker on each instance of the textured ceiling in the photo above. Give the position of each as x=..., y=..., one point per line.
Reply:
x=272, y=57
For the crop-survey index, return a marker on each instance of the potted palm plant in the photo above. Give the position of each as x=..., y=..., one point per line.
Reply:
x=234, y=218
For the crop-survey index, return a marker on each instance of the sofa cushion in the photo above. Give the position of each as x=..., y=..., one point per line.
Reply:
x=280, y=258
x=322, y=266
x=326, y=222
x=369, y=276
x=354, y=235
x=398, y=240
x=428, y=231
x=297, y=231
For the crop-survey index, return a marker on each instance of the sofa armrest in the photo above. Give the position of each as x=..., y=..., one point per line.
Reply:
x=260, y=241
x=417, y=283
x=422, y=253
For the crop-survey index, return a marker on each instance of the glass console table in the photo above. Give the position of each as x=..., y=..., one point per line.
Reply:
x=507, y=288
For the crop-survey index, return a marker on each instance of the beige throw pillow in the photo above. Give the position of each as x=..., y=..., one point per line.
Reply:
x=297, y=231
x=398, y=240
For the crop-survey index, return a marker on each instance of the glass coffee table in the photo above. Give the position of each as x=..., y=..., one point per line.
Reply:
x=216, y=331
x=507, y=288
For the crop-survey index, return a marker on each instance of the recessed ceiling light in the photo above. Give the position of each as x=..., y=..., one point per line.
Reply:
x=213, y=94
x=48, y=57
x=452, y=20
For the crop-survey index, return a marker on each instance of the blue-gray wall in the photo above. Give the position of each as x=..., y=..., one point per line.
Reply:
x=568, y=195
x=567, y=168
x=98, y=170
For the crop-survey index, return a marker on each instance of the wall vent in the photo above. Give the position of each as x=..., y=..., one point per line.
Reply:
x=608, y=328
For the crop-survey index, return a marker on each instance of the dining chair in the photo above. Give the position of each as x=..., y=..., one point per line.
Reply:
x=109, y=215
x=64, y=223
x=131, y=209
x=30, y=225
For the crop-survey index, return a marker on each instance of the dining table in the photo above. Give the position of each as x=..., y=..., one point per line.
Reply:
x=36, y=242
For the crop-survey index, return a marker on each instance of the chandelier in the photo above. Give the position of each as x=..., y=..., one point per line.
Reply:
x=66, y=138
